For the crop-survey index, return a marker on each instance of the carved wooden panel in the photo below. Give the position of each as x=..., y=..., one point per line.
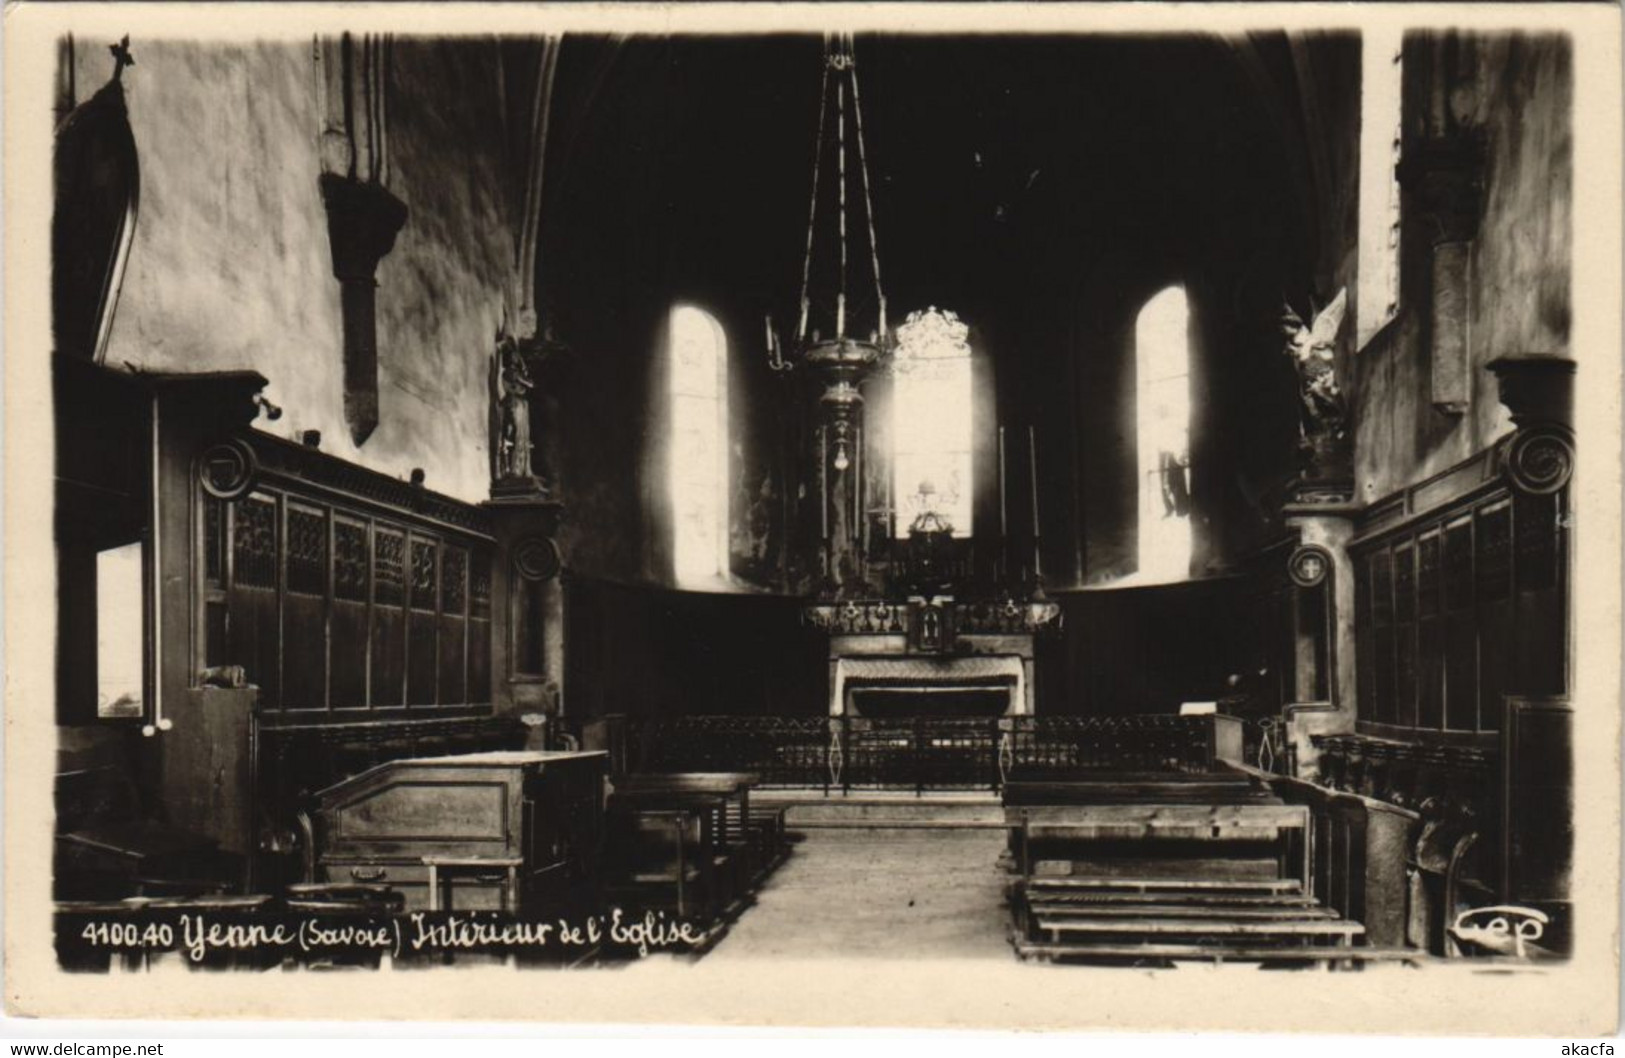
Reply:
x=307, y=551
x=479, y=620
x=254, y=547
x=304, y=610
x=421, y=662
x=251, y=596
x=388, y=675
x=1461, y=609
x=330, y=606
x=349, y=614
x=453, y=629
x=1405, y=636
x=388, y=560
x=1494, y=611
x=427, y=811
x=1430, y=631
x=1382, y=613
x=1460, y=648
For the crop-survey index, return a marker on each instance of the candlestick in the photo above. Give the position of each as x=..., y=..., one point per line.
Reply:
x=801, y=327
x=1038, y=560
x=823, y=485
x=860, y=530
x=840, y=316
x=1004, y=526
x=1032, y=464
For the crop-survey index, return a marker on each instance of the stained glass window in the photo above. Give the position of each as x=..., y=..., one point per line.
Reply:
x=931, y=420
x=1163, y=413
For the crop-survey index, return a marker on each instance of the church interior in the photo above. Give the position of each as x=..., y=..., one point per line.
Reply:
x=1115, y=489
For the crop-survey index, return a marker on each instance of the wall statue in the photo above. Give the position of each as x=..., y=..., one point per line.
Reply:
x=514, y=386
x=1312, y=347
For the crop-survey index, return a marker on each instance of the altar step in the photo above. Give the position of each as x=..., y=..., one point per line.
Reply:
x=874, y=811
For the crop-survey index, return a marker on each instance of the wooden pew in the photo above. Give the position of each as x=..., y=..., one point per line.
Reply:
x=1115, y=836
x=106, y=849
x=644, y=825
x=1332, y=957
x=663, y=858
x=756, y=832
x=1215, y=868
x=1359, y=853
x=1135, y=788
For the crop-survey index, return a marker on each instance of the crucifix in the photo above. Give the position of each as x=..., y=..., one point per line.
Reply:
x=121, y=56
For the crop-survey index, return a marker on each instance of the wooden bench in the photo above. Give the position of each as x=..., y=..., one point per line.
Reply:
x=501, y=871
x=1177, y=921
x=1177, y=907
x=1141, y=835
x=1153, y=885
x=663, y=857
x=1360, y=846
x=106, y=849
x=1209, y=869
x=1331, y=957
x=757, y=832
x=338, y=898
x=1198, y=926
x=1204, y=790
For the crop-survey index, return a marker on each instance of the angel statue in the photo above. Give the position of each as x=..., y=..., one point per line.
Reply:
x=1312, y=348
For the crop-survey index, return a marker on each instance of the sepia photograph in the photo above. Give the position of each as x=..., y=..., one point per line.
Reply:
x=597, y=503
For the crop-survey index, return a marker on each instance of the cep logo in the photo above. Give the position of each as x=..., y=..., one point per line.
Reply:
x=1588, y=1048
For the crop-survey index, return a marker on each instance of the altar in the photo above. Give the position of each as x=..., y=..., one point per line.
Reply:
x=932, y=656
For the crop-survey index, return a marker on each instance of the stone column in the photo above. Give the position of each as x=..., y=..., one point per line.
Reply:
x=1444, y=176
x=528, y=607
x=362, y=221
x=1324, y=529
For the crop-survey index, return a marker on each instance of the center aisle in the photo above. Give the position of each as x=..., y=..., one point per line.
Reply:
x=856, y=893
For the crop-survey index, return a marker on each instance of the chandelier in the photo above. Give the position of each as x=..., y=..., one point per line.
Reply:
x=838, y=287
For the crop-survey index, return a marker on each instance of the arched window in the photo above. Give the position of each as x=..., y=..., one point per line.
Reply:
x=1381, y=74
x=931, y=421
x=697, y=468
x=1163, y=414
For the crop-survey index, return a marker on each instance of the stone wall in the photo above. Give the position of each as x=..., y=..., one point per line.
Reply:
x=230, y=266
x=1516, y=93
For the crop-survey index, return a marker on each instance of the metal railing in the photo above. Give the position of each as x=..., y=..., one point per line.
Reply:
x=913, y=753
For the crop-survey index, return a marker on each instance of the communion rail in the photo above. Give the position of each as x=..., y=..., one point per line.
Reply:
x=844, y=753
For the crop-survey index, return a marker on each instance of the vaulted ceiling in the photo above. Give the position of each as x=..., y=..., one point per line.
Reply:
x=1042, y=187
x=1004, y=167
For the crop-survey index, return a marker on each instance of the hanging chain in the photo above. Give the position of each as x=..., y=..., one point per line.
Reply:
x=868, y=200
x=840, y=57
x=812, y=209
x=843, y=63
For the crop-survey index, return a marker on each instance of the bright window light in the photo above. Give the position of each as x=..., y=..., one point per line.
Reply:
x=931, y=421
x=119, y=632
x=1163, y=415
x=1381, y=74
x=697, y=472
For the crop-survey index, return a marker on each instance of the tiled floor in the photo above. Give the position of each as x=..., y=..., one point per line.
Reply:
x=879, y=894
